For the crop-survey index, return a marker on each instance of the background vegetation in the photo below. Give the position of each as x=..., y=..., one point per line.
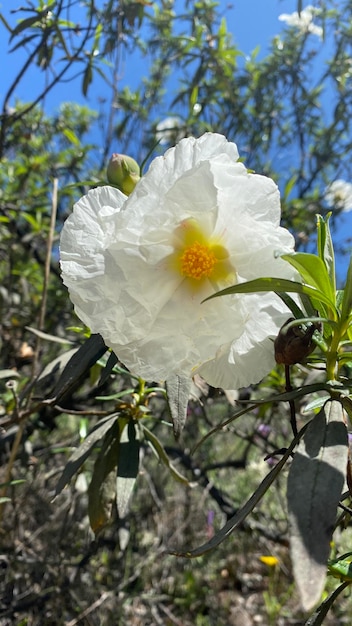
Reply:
x=290, y=113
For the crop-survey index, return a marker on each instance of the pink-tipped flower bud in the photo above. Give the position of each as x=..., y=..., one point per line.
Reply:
x=123, y=172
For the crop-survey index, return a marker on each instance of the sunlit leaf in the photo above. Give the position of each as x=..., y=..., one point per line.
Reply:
x=326, y=248
x=57, y=365
x=313, y=271
x=314, y=488
x=314, y=404
x=278, y=285
x=70, y=135
x=128, y=467
x=341, y=567
x=289, y=186
x=178, y=390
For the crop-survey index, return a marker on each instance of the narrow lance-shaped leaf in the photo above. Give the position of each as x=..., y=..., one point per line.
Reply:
x=110, y=364
x=102, y=487
x=52, y=370
x=178, y=389
x=278, y=285
x=245, y=510
x=313, y=271
x=79, y=456
x=326, y=248
x=319, y=615
x=128, y=467
x=28, y=23
x=346, y=306
x=314, y=488
x=79, y=364
x=162, y=456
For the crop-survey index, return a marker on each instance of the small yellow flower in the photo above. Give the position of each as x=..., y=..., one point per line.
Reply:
x=271, y=561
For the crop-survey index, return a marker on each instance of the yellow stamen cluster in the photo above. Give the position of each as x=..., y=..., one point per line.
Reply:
x=199, y=257
x=197, y=261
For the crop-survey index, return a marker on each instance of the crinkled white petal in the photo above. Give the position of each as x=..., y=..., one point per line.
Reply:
x=251, y=356
x=115, y=259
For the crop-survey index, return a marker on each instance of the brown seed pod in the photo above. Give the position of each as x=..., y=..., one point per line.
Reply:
x=294, y=343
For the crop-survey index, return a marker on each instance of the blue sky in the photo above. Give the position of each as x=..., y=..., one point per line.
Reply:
x=248, y=33
x=252, y=23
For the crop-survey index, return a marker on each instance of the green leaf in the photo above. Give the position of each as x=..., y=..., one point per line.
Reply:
x=292, y=305
x=326, y=248
x=346, y=305
x=128, y=467
x=318, y=617
x=78, y=365
x=79, y=456
x=162, y=456
x=110, y=364
x=315, y=404
x=314, y=488
x=72, y=138
x=341, y=567
x=177, y=392
x=87, y=78
x=102, y=487
x=278, y=285
x=289, y=186
x=28, y=23
x=313, y=271
x=55, y=366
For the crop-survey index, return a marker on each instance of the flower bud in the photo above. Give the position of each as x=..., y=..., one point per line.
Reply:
x=123, y=172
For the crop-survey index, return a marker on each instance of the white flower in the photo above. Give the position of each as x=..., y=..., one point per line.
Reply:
x=169, y=130
x=303, y=21
x=138, y=268
x=339, y=195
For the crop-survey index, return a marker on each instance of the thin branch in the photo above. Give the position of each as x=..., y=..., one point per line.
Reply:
x=46, y=277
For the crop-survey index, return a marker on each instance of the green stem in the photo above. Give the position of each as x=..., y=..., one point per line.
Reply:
x=332, y=354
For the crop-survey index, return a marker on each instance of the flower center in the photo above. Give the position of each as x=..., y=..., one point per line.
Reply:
x=199, y=257
x=197, y=261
